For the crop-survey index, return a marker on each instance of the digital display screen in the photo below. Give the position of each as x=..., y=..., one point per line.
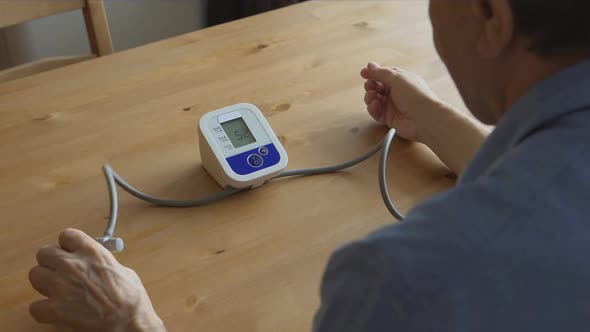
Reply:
x=238, y=132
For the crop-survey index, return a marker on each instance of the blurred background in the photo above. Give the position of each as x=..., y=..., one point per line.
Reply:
x=132, y=23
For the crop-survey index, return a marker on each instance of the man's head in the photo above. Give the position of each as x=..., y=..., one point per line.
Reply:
x=496, y=49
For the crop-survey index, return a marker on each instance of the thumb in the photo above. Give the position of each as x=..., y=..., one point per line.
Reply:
x=384, y=75
x=74, y=240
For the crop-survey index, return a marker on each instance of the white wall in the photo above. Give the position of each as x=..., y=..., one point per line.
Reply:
x=132, y=23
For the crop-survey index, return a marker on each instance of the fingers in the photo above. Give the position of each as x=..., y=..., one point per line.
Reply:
x=385, y=75
x=377, y=92
x=73, y=240
x=370, y=96
x=375, y=104
x=43, y=311
x=42, y=279
x=375, y=109
x=389, y=77
x=376, y=86
x=51, y=257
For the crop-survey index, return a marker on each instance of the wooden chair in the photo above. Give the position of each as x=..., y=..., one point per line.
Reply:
x=18, y=11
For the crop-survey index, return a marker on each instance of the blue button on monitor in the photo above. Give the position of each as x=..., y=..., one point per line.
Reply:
x=252, y=161
x=255, y=160
x=263, y=150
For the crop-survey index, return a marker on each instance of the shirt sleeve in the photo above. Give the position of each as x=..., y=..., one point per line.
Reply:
x=362, y=290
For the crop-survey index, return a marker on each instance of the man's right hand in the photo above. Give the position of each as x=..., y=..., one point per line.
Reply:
x=399, y=99
x=87, y=289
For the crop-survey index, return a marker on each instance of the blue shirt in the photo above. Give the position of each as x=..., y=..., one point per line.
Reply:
x=506, y=249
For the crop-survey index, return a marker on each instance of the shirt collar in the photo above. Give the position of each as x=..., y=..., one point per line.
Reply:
x=560, y=94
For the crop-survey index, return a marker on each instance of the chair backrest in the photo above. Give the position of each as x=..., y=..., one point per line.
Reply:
x=18, y=11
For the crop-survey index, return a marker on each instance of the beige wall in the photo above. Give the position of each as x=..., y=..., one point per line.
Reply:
x=132, y=23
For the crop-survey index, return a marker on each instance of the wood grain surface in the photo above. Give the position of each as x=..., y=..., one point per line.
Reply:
x=254, y=261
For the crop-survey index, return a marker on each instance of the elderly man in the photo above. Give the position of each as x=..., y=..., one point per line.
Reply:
x=506, y=249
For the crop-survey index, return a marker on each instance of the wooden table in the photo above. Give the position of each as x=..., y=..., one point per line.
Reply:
x=252, y=262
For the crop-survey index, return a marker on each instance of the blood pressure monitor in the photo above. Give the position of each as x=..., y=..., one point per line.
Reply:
x=239, y=148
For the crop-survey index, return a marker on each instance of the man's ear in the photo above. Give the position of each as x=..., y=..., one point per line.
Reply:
x=497, y=26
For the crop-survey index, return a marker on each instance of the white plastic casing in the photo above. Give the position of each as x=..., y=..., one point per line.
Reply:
x=244, y=166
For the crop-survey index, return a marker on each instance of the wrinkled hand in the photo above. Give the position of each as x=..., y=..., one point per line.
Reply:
x=88, y=290
x=399, y=99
